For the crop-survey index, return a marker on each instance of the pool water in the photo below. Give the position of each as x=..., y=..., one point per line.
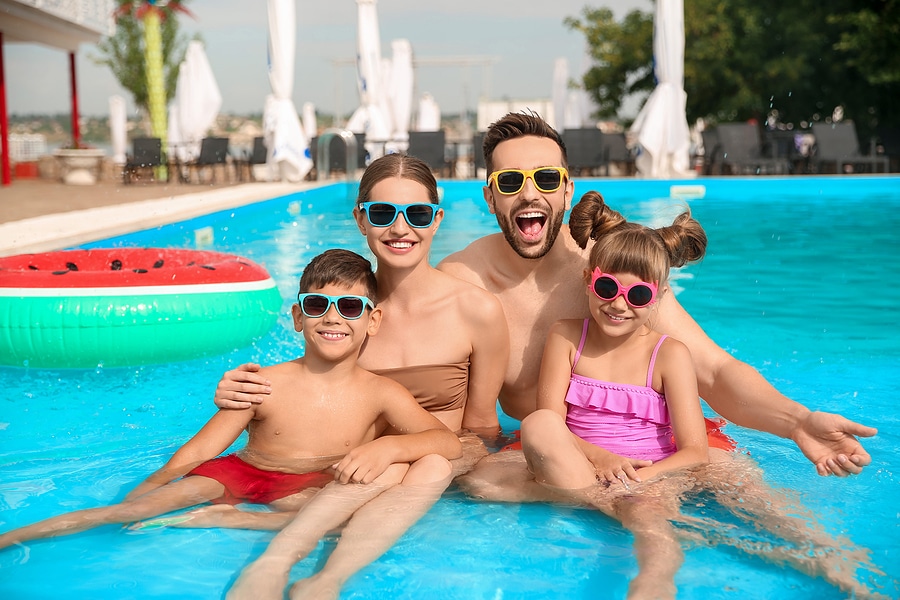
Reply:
x=797, y=283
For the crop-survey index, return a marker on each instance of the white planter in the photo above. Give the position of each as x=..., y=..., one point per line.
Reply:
x=79, y=167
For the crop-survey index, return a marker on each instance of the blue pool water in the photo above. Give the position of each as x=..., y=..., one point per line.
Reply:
x=798, y=283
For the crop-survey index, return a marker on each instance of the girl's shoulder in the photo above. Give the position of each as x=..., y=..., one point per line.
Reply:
x=672, y=350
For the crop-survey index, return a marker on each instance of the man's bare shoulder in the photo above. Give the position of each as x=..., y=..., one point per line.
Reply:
x=473, y=262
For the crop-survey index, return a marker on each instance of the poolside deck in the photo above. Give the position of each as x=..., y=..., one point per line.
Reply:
x=38, y=215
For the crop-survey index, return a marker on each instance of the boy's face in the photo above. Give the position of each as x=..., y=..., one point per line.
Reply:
x=332, y=335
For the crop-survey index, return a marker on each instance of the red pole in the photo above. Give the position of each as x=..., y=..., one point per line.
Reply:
x=76, y=134
x=4, y=123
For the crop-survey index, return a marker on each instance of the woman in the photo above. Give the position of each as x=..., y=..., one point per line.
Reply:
x=442, y=338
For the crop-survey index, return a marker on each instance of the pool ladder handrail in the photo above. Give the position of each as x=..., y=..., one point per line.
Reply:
x=323, y=150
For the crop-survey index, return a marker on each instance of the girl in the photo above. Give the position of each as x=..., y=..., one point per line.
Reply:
x=617, y=401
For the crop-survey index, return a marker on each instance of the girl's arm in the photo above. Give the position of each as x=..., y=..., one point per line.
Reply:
x=213, y=438
x=679, y=384
x=488, y=362
x=556, y=370
x=423, y=434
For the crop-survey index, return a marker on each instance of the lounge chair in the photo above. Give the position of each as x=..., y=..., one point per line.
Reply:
x=584, y=149
x=889, y=145
x=478, y=154
x=712, y=152
x=616, y=152
x=739, y=152
x=837, y=144
x=213, y=154
x=430, y=147
x=146, y=156
x=257, y=156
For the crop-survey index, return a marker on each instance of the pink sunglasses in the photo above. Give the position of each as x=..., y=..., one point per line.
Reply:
x=607, y=288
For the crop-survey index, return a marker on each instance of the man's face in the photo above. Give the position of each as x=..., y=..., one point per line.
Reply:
x=530, y=219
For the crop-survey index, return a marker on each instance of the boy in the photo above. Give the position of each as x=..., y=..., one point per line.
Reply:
x=322, y=422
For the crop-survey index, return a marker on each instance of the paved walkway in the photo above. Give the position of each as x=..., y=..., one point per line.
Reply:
x=39, y=215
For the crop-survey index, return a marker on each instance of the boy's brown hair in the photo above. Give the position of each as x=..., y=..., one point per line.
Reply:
x=341, y=267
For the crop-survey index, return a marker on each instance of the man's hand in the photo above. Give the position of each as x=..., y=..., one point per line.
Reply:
x=829, y=441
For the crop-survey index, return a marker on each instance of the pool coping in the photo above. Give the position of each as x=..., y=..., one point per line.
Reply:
x=62, y=230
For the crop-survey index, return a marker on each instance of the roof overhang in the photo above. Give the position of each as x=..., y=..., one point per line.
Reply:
x=65, y=25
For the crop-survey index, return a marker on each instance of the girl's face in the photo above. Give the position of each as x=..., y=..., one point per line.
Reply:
x=398, y=244
x=617, y=316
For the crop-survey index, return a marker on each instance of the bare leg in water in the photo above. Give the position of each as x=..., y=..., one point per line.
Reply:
x=285, y=509
x=267, y=576
x=375, y=528
x=736, y=482
x=173, y=496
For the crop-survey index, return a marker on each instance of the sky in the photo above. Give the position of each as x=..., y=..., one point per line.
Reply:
x=524, y=39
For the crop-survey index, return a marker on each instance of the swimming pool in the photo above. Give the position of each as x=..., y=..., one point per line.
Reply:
x=792, y=285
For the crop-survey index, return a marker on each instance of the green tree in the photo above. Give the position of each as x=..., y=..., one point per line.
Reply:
x=123, y=53
x=622, y=53
x=754, y=58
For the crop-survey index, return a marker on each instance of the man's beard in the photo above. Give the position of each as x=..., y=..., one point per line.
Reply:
x=552, y=229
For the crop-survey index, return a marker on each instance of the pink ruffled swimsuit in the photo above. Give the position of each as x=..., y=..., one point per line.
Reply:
x=629, y=420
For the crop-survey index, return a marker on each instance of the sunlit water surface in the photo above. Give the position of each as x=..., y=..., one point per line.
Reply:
x=798, y=282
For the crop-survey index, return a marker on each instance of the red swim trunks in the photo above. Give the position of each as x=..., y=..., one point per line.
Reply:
x=245, y=483
x=714, y=434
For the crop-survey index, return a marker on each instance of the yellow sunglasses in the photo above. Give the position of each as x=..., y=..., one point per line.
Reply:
x=545, y=179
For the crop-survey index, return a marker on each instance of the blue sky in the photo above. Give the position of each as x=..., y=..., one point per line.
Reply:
x=525, y=37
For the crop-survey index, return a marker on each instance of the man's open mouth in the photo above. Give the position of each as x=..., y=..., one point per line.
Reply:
x=531, y=224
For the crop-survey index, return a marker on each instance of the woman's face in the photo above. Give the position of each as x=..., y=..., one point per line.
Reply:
x=398, y=244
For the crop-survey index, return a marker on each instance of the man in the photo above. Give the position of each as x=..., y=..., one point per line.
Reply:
x=535, y=270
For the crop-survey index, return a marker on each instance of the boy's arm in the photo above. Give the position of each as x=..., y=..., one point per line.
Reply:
x=674, y=364
x=213, y=438
x=739, y=393
x=422, y=434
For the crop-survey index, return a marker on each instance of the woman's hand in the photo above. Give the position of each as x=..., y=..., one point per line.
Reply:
x=242, y=387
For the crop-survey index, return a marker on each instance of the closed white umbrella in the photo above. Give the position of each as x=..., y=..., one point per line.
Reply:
x=310, y=125
x=370, y=118
x=117, y=125
x=661, y=126
x=429, y=114
x=288, y=147
x=560, y=93
x=196, y=104
x=400, y=92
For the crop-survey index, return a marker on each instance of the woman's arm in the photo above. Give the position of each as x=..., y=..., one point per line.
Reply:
x=679, y=384
x=488, y=361
x=213, y=438
x=242, y=388
x=739, y=393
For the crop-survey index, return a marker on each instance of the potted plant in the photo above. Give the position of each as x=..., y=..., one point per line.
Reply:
x=79, y=164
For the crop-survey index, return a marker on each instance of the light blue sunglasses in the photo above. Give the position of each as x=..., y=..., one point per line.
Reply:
x=349, y=307
x=383, y=214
